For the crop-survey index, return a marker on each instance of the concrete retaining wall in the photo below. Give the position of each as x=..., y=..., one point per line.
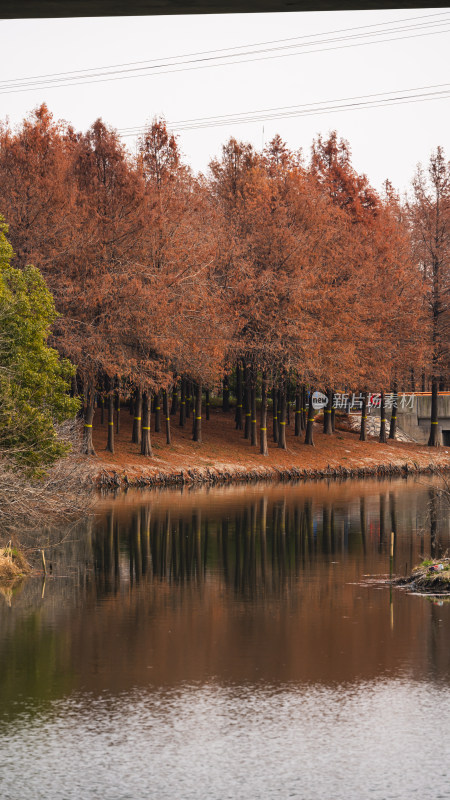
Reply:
x=416, y=421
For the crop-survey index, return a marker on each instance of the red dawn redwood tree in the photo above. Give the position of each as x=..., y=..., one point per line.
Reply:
x=386, y=313
x=283, y=243
x=36, y=188
x=430, y=217
x=105, y=229
x=180, y=246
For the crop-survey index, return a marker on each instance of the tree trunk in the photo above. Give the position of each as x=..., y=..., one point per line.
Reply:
x=166, y=416
x=434, y=438
x=383, y=437
x=207, y=403
x=174, y=405
x=110, y=443
x=279, y=413
x=282, y=419
x=117, y=409
x=263, y=449
x=298, y=411
x=88, y=445
x=102, y=410
x=304, y=408
x=191, y=397
x=253, y=433
x=333, y=413
x=393, y=423
x=146, y=443
x=137, y=419
x=327, y=426
x=183, y=403
x=275, y=413
x=363, y=431
x=226, y=394
x=247, y=395
x=188, y=399
x=198, y=413
x=310, y=421
x=238, y=417
x=194, y=421
x=157, y=412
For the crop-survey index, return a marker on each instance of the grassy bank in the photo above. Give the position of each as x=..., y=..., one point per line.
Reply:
x=430, y=576
x=13, y=564
x=224, y=455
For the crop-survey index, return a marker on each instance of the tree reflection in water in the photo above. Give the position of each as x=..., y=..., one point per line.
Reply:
x=258, y=548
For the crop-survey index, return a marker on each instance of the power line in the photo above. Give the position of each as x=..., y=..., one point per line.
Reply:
x=78, y=73
x=87, y=77
x=328, y=110
x=374, y=100
x=301, y=105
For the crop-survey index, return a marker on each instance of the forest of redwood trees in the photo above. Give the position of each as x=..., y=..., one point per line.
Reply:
x=273, y=272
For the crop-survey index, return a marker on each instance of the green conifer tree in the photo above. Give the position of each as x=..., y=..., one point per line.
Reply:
x=34, y=380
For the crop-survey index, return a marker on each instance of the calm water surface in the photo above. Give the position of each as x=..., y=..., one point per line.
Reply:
x=231, y=643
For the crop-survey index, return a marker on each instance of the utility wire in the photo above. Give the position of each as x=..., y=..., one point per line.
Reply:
x=64, y=79
x=78, y=73
x=325, y=110
x=375, y=100
x=151, y=65
x=442, y=86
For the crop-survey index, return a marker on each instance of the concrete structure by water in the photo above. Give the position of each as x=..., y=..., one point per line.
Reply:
x=416, y=421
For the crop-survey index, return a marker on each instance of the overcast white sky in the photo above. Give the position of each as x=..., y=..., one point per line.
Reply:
x=387, y=142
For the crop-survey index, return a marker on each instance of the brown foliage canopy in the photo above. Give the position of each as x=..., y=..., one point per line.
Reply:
x=318, y=267
x=157, y=273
